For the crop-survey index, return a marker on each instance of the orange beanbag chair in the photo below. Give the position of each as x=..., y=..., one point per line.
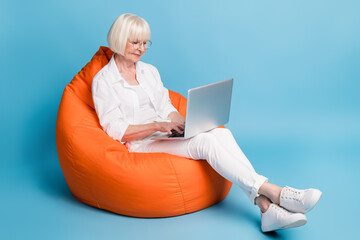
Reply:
x=101, y=172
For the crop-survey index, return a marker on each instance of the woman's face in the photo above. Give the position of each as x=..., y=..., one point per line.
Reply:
x=134, y=50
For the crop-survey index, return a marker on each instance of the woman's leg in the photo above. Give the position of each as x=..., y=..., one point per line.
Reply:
x=263, y=203
x=220, y=150
x=231, y=145
x=271, y=191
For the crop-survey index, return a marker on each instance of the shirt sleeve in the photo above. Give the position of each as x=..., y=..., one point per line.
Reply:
x=108, y=110
x=165, y=103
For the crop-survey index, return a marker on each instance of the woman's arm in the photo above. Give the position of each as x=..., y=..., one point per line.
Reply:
x=111, y=117
x=134, y=132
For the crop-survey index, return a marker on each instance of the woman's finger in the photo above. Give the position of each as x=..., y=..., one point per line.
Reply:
x=178, y=130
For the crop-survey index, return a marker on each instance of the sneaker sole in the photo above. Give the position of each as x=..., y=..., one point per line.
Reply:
x=272, y=228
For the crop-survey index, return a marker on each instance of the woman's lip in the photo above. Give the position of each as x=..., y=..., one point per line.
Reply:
x=138, y=55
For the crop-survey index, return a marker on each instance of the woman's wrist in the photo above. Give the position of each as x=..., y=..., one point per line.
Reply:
x=156, y=126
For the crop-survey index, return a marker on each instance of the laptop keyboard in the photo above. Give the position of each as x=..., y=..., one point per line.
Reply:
x=175, y=133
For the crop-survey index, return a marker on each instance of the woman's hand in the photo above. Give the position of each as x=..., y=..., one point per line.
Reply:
x=168, y=126
x=134, y=132
x=176, y=117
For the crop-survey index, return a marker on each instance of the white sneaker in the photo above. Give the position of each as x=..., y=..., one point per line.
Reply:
x=276, y=218
x=300, y=201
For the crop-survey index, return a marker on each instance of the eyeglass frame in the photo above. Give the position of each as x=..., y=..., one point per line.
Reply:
x=146, y=45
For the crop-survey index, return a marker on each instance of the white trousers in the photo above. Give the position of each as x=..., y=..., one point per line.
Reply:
x=219, y=148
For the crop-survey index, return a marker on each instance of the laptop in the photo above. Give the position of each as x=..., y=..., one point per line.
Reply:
x=208, y=107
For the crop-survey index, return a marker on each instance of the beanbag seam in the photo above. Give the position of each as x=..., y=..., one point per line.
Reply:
x=177, y=179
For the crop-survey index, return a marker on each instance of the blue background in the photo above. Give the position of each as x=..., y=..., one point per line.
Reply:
x=295, y=109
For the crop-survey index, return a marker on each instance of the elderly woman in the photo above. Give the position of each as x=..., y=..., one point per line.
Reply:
x=133, y=105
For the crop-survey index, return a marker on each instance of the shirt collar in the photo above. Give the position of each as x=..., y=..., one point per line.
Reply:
x=116, y=76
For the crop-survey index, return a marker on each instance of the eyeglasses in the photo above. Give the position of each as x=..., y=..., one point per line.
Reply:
x=137, y=45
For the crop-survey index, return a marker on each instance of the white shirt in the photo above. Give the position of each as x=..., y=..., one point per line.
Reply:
x=117, y=103
x=147, y=112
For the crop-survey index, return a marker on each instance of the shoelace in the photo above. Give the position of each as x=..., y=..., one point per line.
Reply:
x=292, y=194
x=280, y=210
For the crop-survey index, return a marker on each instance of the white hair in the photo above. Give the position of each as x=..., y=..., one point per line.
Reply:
x=127, y=27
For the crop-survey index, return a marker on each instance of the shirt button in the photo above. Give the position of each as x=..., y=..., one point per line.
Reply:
x=142, y=71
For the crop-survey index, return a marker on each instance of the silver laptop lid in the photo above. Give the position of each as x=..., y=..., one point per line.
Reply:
x=208, y=107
